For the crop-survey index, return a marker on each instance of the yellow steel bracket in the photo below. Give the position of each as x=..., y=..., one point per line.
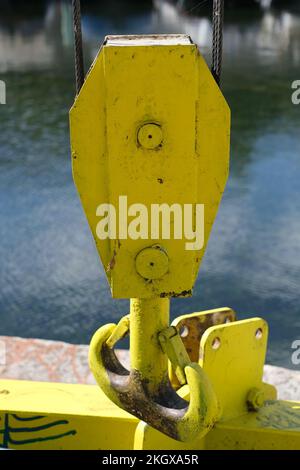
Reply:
x=190, y=329
x=232, y=354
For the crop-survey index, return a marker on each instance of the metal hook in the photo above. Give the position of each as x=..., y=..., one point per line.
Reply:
x=165, y=410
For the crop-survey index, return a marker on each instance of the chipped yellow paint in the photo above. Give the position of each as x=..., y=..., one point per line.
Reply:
x=276, y=426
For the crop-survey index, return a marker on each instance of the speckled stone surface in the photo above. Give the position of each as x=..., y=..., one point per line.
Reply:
x=42, y=360
x=35, y=359
x=286, y=381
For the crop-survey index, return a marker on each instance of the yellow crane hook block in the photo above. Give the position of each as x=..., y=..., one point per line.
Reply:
x=150, y=151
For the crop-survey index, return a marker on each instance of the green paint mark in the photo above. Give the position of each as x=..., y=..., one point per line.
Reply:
x=30, y=418
x=42, y=439
x=39, y=428
x=7, y=430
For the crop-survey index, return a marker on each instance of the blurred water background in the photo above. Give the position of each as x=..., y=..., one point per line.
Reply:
x=51, y=282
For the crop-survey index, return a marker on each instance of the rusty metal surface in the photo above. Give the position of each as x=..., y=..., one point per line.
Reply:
x=191, y=327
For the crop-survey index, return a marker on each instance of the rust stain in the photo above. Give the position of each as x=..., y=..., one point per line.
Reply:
x=196, y=327
x=112, y=262
x=184, y=293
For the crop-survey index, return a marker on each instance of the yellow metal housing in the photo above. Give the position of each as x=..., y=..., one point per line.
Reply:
x=150, y=124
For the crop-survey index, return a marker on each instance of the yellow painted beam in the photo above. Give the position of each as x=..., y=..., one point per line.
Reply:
x=40, y=415
x=276, y=426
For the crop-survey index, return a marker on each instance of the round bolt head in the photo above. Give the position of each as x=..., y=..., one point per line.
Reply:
x=152, y=263
x=150, y=136
x=255, y=399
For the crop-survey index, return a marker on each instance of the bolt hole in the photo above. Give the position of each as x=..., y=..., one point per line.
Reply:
x=258, y=333
x=151, y=264
x=184, y=331
x=149, y=136
x=216, y=343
